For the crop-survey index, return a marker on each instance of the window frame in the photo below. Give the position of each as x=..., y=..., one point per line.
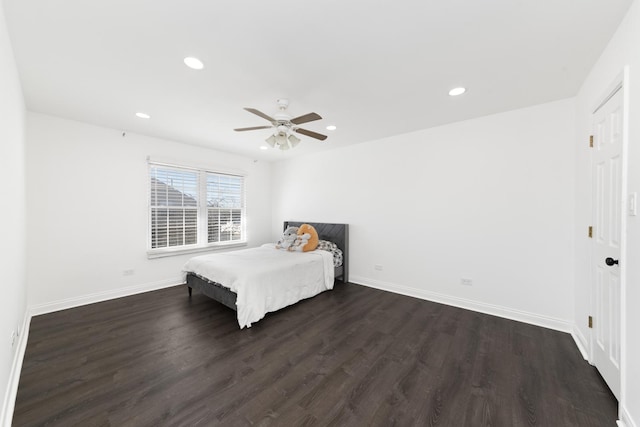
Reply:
x=202, y=209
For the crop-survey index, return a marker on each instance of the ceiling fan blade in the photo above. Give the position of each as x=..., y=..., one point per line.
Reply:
x=311, y=134
x=261, y=114
x=253, y=128
x=306, y=118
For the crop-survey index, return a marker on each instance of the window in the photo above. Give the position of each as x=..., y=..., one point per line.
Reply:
x=191, y=208
x=224, y=208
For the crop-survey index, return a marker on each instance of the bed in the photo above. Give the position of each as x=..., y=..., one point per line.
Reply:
x=260, y=280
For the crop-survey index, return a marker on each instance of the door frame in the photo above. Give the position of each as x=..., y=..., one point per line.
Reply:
x=621, y=82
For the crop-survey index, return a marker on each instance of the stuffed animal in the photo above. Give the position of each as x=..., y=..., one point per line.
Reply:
x=300, y=242
x=288, y=238
x=307, y=239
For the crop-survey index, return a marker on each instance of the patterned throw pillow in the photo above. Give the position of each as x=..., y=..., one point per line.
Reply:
x=328, y=246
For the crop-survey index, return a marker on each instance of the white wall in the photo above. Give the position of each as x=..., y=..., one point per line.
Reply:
x=12, y=207
x=623, y=50
x=489, y=199
x=88, y=215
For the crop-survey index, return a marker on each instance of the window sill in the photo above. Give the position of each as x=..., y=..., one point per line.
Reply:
x=162, y=253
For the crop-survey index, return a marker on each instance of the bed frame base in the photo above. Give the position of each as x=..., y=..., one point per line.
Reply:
x=213, y=290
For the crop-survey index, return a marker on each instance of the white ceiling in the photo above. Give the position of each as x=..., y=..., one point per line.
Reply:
x=373, y=68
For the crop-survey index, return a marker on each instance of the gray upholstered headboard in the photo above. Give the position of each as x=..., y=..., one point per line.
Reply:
x=336, y=233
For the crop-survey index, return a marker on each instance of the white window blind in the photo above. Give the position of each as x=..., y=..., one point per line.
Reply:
x=192, y=208
x=225, y=207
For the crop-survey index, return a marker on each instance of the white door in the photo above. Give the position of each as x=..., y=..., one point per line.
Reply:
x=607, y=234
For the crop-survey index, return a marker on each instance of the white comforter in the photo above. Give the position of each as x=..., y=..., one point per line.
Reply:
x=266, y=279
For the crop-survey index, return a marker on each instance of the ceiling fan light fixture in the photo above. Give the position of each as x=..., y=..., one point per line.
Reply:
x=332, y=127
x=143, y=115
x=271, y=141
x=293, y=140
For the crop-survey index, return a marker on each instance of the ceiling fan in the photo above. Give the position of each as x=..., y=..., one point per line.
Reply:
x=284, y=125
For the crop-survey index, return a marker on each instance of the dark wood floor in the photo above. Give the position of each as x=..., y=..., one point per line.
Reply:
x=351, y=357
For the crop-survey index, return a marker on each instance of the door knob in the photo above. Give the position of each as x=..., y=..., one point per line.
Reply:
x=610, y=261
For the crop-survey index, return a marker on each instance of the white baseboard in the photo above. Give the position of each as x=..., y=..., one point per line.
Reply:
x=581, y=342
x=14, y=375
x=102, y=296
x=495, y=310
x=625, y=418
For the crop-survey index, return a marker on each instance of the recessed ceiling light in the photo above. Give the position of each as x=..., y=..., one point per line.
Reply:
x=194, y=63
x=331, y=127
x=264, y=147
x=457, y=91
x=143, y=115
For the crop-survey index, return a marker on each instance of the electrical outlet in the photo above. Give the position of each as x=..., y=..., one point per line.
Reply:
x=377, y=267
x=466, y=281
x=13, y=338
x=128, y=272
